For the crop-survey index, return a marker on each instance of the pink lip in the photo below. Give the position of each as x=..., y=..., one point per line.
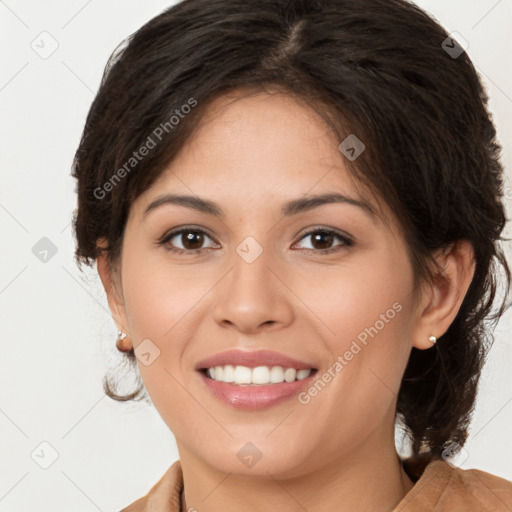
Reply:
x=254, y=397
x=252, y=359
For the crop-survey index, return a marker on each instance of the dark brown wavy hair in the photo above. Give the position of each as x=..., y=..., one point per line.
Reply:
x=381, y=69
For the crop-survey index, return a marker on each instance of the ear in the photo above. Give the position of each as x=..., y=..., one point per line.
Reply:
x=112, y=285
x=440, y=302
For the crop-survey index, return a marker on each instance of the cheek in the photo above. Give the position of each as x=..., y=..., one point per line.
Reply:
x=161, y=296
x=369, y=350
x=366, y=298
x=162, y=303
x=367, y=310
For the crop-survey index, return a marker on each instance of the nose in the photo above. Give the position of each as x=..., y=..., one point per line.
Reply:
x=253, y=297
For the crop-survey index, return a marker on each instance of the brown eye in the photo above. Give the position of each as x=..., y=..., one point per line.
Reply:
x=192, y=240
x=186, y=240
x=323, y=240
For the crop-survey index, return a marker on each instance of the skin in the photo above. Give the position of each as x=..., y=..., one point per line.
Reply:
x=250, y=156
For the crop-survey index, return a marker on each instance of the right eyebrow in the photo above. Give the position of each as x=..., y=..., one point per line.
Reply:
x=196, y=203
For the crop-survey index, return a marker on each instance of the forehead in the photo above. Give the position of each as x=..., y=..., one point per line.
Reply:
x=256, y=148
x=261, y=142
x=274, y=126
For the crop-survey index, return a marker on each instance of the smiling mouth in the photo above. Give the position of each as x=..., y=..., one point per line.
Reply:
x=240, y=375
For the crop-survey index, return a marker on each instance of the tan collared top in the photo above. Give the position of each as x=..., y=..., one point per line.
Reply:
x=440, y=488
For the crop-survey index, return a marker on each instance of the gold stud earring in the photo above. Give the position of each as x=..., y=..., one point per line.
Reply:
x=433, y=339
x=119, y=344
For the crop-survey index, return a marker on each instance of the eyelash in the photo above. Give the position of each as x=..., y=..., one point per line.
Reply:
x=347, y=242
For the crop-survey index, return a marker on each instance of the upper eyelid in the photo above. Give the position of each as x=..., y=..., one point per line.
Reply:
x=178, y=231
x=345, y=238
x=169, y=235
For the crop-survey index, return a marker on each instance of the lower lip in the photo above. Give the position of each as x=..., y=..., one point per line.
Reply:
x=256, y=396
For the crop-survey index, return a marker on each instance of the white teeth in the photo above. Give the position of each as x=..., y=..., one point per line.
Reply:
x=302, y=374
x=242, y=375
x=229, y=373
x=260, y=375
x=290, y=373
x=276, y=375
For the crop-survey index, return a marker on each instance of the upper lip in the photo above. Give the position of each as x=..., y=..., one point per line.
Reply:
x=252, y=359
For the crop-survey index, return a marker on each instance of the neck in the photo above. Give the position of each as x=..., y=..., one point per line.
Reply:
x=371, y=479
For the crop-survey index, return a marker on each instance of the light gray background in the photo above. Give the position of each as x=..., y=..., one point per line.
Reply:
x=57, y=336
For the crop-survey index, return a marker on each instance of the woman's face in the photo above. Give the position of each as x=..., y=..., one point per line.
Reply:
x=268, y=277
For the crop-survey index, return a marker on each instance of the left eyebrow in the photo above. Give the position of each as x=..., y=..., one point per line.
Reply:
x=291, y=208
x=308, y=203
